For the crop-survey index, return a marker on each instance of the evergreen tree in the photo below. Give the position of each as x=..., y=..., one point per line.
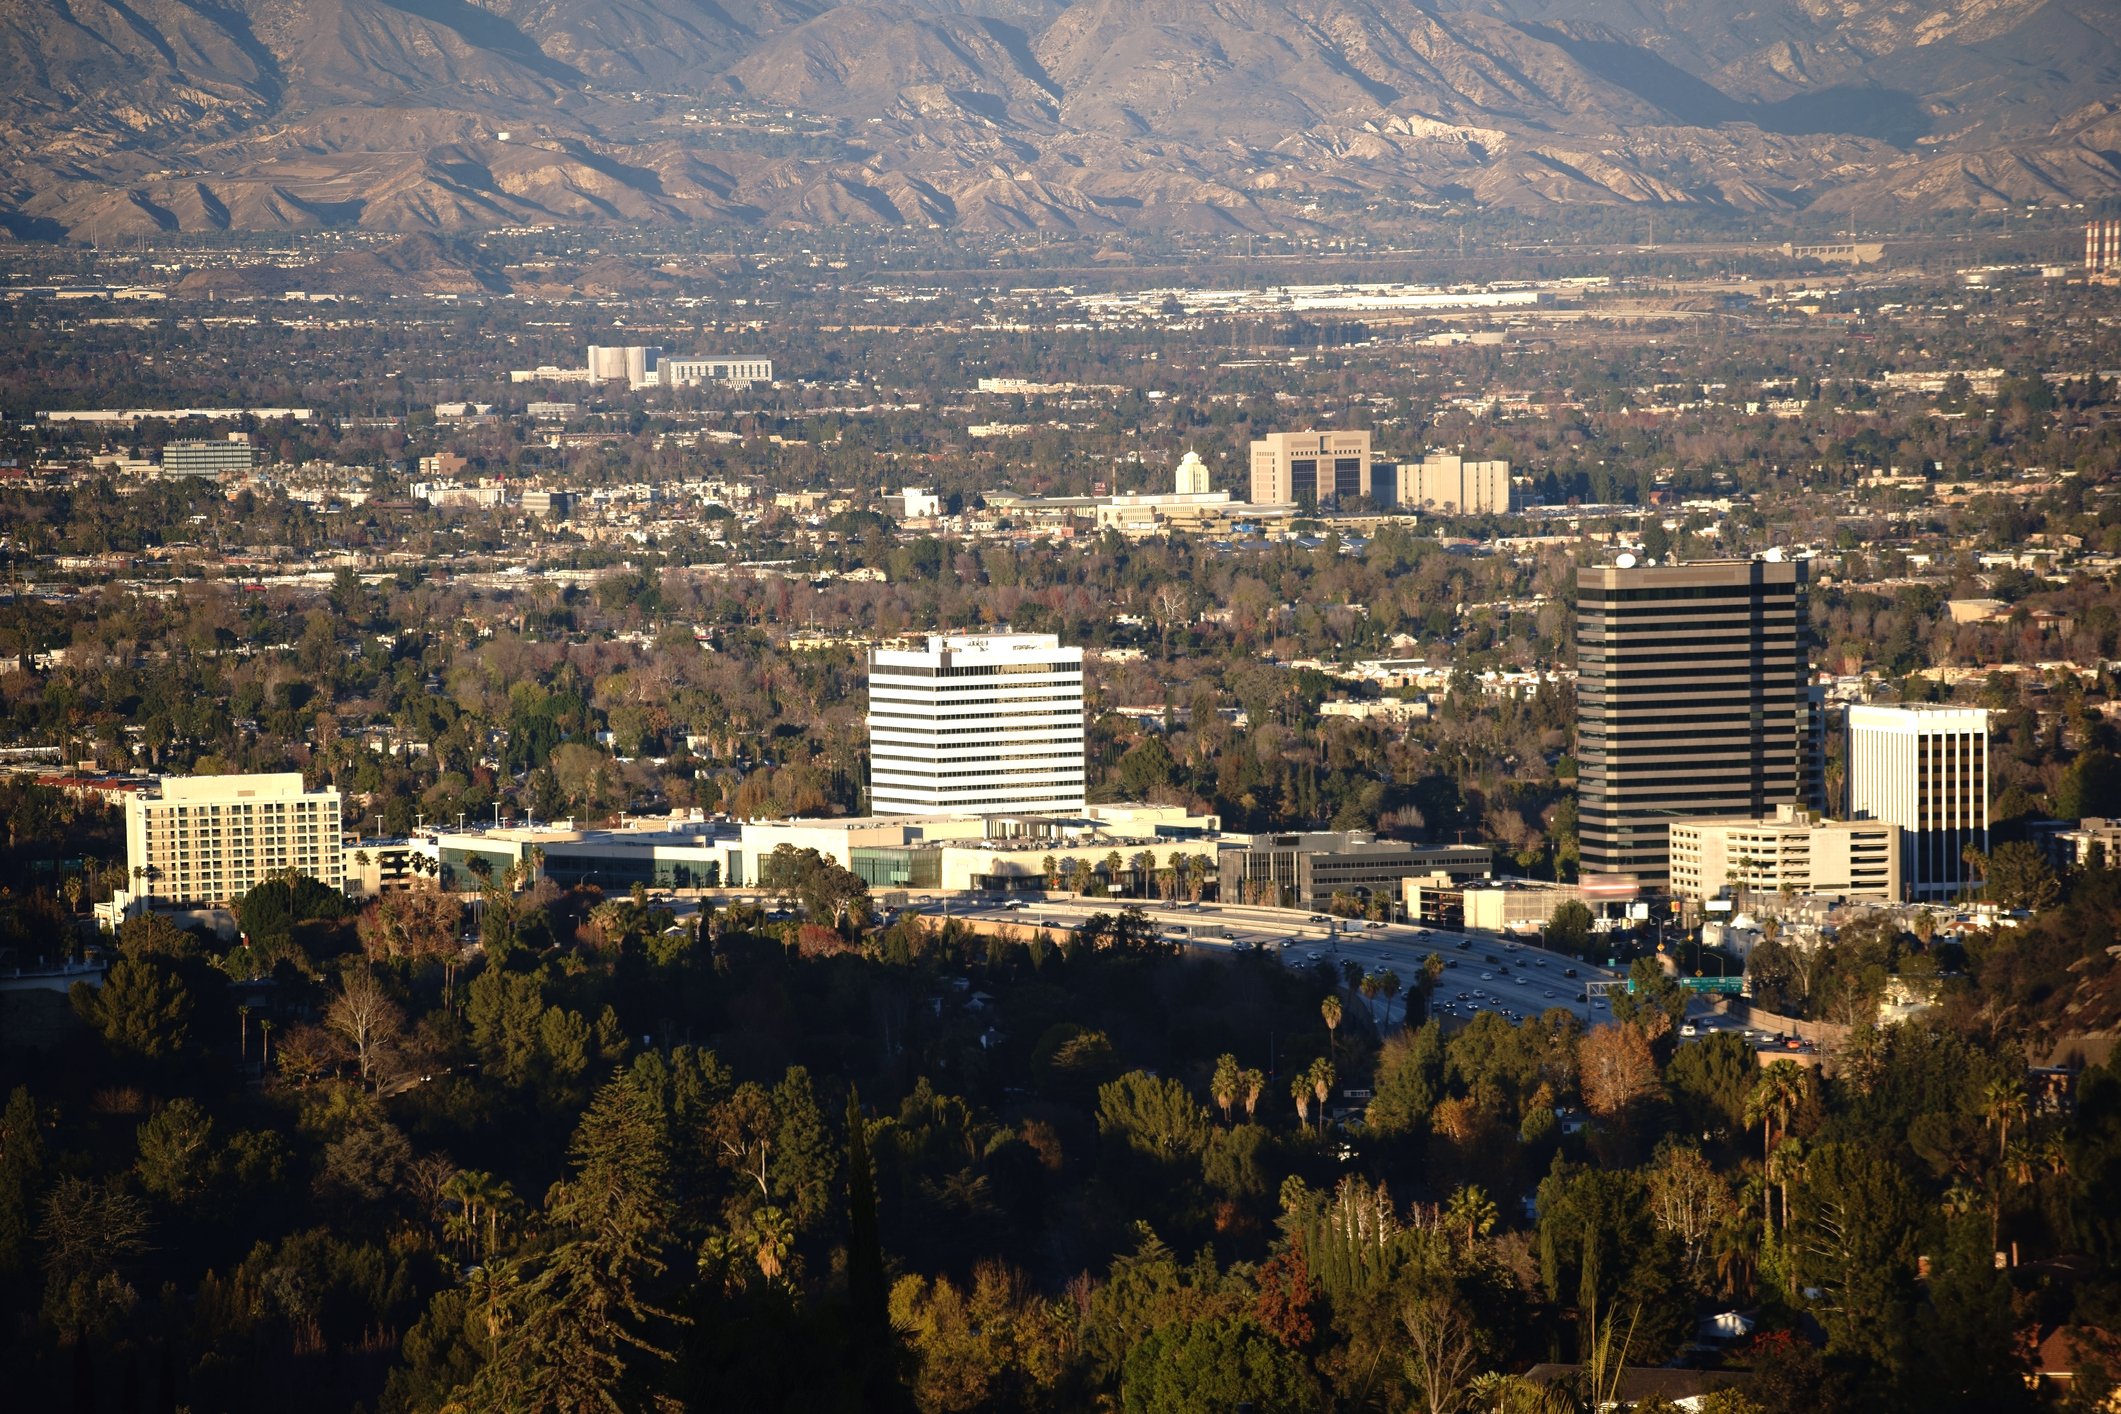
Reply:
x=865, y=1253
x=21, y=1166
x=582, y=1337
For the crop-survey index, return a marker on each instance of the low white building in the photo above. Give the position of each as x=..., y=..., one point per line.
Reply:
x=1793, y=850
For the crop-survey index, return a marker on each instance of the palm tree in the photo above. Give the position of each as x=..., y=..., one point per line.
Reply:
x=1786, y=1163
x=1321, y=1078
x=1976, y=870
x=1143, y=863
x=1388, y=983
x=1471, y=1211
x=1330, y=1009
x=1225, y=1084
x=482, y=1200
x=2002, y=1101
x=1254, y=1085
x=1370, y=990
x=1197, y=874
x=1300, y=1091
x=1773, y=1103
x=1051, y=869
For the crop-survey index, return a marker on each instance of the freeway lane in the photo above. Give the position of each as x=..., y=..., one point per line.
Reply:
x=1522, y=980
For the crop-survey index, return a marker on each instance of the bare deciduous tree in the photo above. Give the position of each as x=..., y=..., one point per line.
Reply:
x=371, y=1022
x=1441, y=1353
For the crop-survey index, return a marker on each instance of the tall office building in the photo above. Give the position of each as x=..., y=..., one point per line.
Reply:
x=209, y=839
x=1924, y=769
x=1310, y=469
x=1691, y=702
x=1448, y=484
x=976, y=725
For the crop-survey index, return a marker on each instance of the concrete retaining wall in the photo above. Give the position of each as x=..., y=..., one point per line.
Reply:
x=1824, y=1034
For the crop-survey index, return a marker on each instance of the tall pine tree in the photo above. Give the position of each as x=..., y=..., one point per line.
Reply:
x=583, y=1329
x=865, y=1252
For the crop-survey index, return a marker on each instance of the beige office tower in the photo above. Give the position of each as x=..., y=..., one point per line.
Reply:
x=1924, y=769
x=1310, y=469
x=211, y=839
x=1451, y=485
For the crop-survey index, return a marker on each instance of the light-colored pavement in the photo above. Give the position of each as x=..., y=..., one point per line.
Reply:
x=1481, y=972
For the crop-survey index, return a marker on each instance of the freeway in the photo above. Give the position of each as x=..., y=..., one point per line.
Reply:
x=1483, y=972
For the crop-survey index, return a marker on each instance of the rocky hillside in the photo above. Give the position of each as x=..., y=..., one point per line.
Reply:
x=1018, y=114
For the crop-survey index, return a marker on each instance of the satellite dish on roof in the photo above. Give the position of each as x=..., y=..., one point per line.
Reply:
x=1625, y=561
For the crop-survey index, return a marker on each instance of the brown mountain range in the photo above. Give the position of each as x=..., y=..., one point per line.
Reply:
x=1017, y=114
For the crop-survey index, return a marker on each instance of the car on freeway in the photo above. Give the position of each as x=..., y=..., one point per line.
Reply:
x=1450, y=962
x=1581, y=997
x=1229, y=936
x=1373, y=924
x=1690, y=1029
x=1318, y=918
x=1014, y=904
x=1793, y=1044
x=1548, y=995
x=1539, y=962
x=1487, y=976
x=1465, y=945
x=1568, y=972
x=1493, y=960
x=1312, y=956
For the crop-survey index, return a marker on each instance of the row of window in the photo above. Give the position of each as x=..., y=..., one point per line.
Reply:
x=900, y=670
x=1601, y=594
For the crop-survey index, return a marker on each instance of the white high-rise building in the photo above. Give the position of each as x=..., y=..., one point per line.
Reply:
x=1924, y=769
x=976, y=725
x=209, y=839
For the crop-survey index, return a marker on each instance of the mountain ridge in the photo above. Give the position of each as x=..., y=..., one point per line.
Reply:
x=1018, y=114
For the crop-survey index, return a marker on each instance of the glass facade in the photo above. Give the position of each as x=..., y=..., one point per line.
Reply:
x=887, y=868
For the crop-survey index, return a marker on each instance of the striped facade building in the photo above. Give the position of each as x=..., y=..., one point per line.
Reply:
x=977, y=725
x=1925, y=770
x=1692, y=702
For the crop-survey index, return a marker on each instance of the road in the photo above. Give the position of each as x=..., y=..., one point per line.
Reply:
x=1522, y=980
x=1482, y=972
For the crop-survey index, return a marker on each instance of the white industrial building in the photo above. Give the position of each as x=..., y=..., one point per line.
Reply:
x=980, y=725
x=729, y=372
x=646, y=366
x=1925, y=770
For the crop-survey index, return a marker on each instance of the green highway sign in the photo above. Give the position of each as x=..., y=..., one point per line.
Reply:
x=1731, y=985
